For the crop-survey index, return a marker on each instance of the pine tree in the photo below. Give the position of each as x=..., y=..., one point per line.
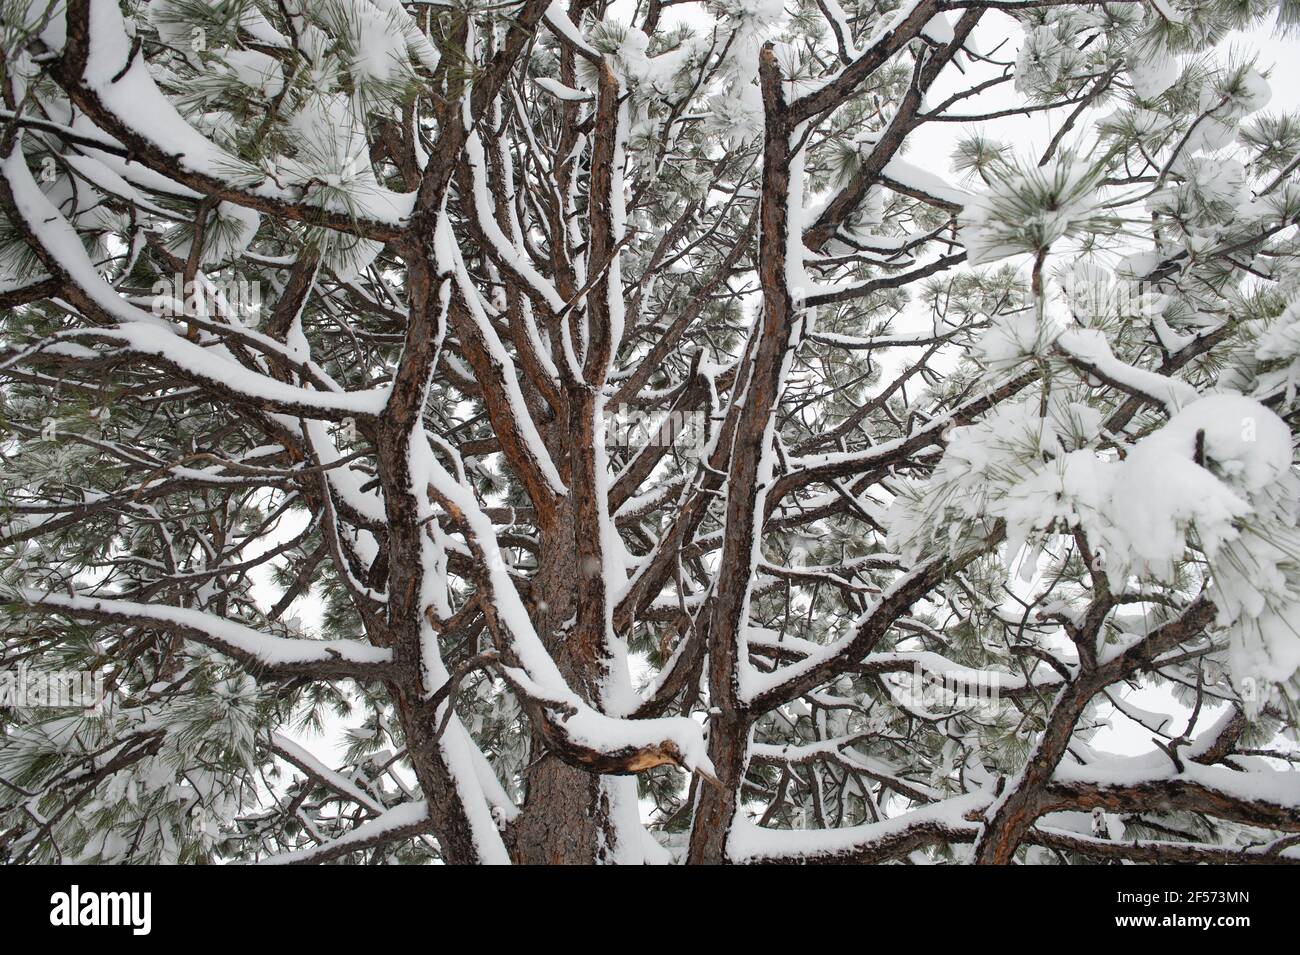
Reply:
x=670, y=458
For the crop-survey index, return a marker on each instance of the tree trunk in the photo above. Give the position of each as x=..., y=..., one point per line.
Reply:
x=565, y=816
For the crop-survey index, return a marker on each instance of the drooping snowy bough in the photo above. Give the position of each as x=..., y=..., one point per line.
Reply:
x=671, y=455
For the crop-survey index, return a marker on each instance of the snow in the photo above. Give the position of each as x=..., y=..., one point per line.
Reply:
x=1090, y=346
x=261, y=30
x=939, y=29
x=755, y=683
x=736, y=114
x=209, y=365
x=1156, y=495
x=1153, y=70
x=503, y=247
x=463, y=759
x=1199, y=491
x=133, y=172
x=766, y=12
x=497, y=798
x=1031, y=208
x=915, y=179
x=1010, y=339
x=840, y=20
x=60, y=240
x=1204, y=184
x=537, y=674
x=332, y=163
x=1281, y=789
x=134, y=98
x=560, y=91
x=406, y=816
x=306, y=762
x=258, y=71
x=750, y=843
x=227, y=232
x=450, y=259
x=1238, y=507
x=109, y=182
x=594, y=730
x=147, y=335
x=1249, y=444
x=618, y=229
x=265, y=648
x=1279, y=344
x=378, y=38
x=1244, y=515
x=618, y=695
x=959, y=675
x=417, y=42
x=1047, y=55
x=344, y=482
x=1247, y=92
x=562, y=26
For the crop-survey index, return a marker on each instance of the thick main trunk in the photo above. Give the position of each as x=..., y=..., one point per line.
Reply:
x=565, y=818
x=559, y=824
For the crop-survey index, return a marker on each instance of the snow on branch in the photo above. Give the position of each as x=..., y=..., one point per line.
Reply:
x=144, y=334
x=401, y=822
x=264, y=654
x=299, y=758
x=578, y=732
x=103, y=74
